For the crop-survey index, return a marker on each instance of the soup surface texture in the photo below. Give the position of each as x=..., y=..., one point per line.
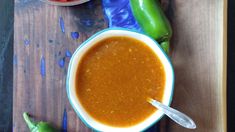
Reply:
x=114, y=79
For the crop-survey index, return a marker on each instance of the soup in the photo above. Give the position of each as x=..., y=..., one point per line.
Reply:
x=114, y=79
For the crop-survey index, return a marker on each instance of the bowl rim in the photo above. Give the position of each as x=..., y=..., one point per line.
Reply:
x=71, y=3
x=91, y=38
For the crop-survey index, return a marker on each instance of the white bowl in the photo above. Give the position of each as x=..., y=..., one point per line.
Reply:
x=70, y=3
x=73, y=65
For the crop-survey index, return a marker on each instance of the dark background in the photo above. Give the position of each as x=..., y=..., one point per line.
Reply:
x=231, y=67
x=6, y=64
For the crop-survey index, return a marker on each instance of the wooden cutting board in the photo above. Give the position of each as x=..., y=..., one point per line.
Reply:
x=43, y=45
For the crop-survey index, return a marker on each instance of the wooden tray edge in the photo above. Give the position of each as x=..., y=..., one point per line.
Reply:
x=224, y=67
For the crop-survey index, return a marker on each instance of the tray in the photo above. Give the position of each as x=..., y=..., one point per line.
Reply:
x=43, y=46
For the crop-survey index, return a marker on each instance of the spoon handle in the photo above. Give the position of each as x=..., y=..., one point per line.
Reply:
x=175, y=115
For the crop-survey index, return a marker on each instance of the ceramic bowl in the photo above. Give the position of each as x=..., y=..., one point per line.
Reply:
x=73, y=65
x=70, y=3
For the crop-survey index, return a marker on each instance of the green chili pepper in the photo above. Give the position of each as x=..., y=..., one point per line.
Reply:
x=38, y=127
x=153, y=21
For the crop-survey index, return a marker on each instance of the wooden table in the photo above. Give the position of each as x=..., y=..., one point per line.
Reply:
x=41, y=58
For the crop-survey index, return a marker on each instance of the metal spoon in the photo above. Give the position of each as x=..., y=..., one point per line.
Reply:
x=175, y=115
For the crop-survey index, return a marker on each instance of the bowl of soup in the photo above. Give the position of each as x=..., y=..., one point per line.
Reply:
x=110, y=77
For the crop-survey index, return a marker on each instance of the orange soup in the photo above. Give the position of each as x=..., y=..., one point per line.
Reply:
x=114, y=79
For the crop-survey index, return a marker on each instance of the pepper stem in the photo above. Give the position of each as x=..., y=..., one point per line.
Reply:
x=166, y=46
x=28, y=121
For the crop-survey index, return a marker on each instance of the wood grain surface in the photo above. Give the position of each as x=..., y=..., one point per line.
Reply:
x=40, y=50
x=199, y=59
x=41, y=58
